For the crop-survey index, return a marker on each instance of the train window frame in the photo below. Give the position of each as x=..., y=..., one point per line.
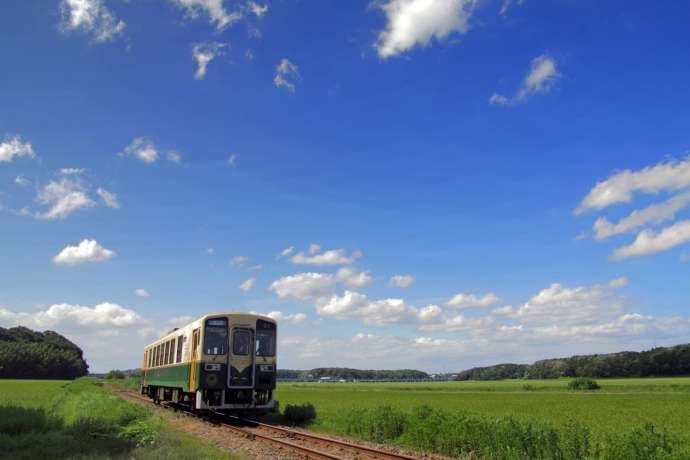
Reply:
x=171, y=353
x=265, y=329
x=209, y=333
x=238, y=333
x=178, y=357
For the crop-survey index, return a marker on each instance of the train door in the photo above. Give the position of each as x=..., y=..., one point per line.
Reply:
x=194, y=360
x=241, y=361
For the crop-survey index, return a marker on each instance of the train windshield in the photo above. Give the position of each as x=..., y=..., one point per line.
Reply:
x=216, y=336
x=265, y=338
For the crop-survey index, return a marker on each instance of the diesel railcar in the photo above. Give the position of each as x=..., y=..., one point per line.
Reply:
x=220, y=362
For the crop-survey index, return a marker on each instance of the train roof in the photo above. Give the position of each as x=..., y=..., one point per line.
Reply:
x=202, y=318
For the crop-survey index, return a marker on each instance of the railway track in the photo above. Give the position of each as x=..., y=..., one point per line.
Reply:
x=306, y=445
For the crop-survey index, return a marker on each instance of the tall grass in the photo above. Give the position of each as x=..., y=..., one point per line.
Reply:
x=461, y=434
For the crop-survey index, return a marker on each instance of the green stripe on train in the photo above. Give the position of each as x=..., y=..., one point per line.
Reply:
x=172, y=376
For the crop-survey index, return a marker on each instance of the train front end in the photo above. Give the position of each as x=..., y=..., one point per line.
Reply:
x=237, y=365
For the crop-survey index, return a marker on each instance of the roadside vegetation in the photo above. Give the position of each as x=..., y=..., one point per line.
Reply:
x=80, y=420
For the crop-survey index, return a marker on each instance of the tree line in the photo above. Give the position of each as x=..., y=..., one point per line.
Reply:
x=657, y=362
x=27, y=354
x=351, y=374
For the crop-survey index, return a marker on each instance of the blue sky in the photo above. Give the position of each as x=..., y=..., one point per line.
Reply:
x=145, y=145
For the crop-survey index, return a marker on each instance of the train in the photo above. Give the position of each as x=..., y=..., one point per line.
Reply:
x=224, y=362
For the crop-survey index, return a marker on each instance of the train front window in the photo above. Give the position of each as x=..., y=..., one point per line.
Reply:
x=240, y=343
x=265, y=338
x=215, y=336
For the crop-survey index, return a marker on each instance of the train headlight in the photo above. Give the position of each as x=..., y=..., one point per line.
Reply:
x=212, y=367
x=266, y=367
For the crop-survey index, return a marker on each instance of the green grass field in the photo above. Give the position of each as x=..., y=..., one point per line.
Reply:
x=620, y=406
x=80, y=420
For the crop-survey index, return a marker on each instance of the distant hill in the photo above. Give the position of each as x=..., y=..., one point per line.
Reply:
x=351, y=374
x=659, y=362
x=27, y=354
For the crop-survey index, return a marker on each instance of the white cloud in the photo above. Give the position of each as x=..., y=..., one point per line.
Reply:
x=656, y=214
x=620, y=187
x=174, y=156
x=461, y=301
x=256, y=9
x=248, y=284
x=377, y=312
x=141, y=292
x=506, y=5
x=86, y=251
x=232, y=160
x=255, y=268
x=330, y=257
x=142, y=149
x=104, y=314
x=417, y=22
x=293, y=318
x=304, y=285
x=353, y=278
x=203, y=54
x=210, y=251
x=63, y=198
x=22, y=181
x=402, y=281
x=70, y=171
x=314, y=248
x=542, y=76
x=238, y=261
x=91, y=17
x=109, y=198
x=286, y=252
x=287, y=74
x=215, y=10
x=649, y=242
x=13, y=147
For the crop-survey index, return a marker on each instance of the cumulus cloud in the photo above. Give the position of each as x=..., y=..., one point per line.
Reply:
x=356, y=305
x=542, y=76
x=109, y=198
x=91, y=17
x=13, y=147
x=286, y=252
x=103, y=314
x=402, y=281
x=22, y=181
x=174, y=157
x=203, y=54
x=86, y=251
x=460, y=301
x=238, y=261
x=353, y=278
x=214, y=9
x=142, y=149
x=620, y=187
x=63, y=197
x=330, y=257
x=650, y=242
x=247, y=284
x=653, y=214
x=292, y=318
x=141, y=292
x=256, y=9
x=287, y=74
x=303, y=285
x=70, y=171
x=417, y=22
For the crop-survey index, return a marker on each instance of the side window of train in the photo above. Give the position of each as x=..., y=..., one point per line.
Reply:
x=180, y=340
x=240, y=343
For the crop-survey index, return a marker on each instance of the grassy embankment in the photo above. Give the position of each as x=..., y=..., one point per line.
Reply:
x=79, y=419
x=627, y=418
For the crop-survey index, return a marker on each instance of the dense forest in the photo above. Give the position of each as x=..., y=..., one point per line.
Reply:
x=658, y=362
x=26, y=354
x=351, y=374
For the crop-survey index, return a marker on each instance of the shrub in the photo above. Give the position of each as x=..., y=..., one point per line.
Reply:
x=529, y=387
x=299, y=414
x=115, y=374
x=583, y=383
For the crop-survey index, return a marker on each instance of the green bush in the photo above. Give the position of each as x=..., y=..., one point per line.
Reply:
x=299, y=414
x=380, y=424
x=115, y=374
x=583, y=383
x=529, y=387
